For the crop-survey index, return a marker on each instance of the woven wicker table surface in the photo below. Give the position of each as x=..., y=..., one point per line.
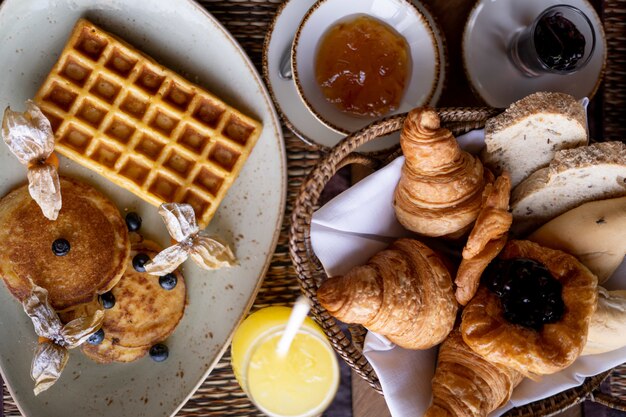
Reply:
x=248, y=20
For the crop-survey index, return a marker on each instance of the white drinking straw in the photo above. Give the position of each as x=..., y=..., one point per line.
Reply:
x=296, y=318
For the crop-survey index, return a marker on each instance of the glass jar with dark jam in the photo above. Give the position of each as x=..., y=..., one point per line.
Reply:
x=560, y=41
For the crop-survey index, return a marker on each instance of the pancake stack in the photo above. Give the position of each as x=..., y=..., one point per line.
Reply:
x=91, y=230
x=84, y=260
x=143, y=313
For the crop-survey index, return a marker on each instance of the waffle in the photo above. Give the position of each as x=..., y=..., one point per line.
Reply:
x=142, y=126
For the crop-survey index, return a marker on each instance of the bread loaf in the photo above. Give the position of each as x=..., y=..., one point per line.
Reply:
x=527, y=135
x=606, y=329
x=595, y=233
x=574, y=177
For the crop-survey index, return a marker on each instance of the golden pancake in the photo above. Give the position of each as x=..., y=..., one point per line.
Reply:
x=144, y=313
x=107, y=352
x=98, y=245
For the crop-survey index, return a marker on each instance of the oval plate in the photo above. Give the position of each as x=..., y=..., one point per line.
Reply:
x=184, y=37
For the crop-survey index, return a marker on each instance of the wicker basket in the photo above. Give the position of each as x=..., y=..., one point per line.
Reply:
x=311, y=274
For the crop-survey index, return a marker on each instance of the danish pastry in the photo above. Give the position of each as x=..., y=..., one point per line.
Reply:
x=533, y=314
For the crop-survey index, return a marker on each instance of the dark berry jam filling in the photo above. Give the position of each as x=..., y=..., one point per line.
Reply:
x=530, y=295
x=559, y=44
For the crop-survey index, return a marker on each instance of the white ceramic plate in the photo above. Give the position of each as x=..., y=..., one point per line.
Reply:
x=489, y=70
x=403, y=17
x=182, y=36
x=285, y=94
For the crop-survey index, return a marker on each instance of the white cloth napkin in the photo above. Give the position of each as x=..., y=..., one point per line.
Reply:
x=360, y=222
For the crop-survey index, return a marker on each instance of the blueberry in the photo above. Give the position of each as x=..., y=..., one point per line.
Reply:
x=108, y=300
x=133, y=221
x=159, y=352
x=168, y=281
x=96, y=338
x=139, y=261
x=60, y=247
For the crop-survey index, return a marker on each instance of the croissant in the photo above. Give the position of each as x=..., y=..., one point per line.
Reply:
x=440, y=187
x=486, y=239
x=467, y=385
x=404, y=293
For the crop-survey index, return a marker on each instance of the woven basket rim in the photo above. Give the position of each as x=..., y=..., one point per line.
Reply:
x=310, y=272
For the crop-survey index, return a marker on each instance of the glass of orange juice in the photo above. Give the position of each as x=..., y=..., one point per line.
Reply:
x=301, y=383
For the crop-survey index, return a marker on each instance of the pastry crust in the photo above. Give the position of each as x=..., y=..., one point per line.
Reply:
x=487, y=238
x=440, y=187
x=529, y=351
x=467, y=385
x=404, y=293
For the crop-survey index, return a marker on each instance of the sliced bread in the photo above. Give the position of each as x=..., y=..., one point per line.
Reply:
x=574, y=177
x=527, y=135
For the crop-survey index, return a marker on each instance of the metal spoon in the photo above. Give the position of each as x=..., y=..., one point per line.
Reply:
x=284, y=68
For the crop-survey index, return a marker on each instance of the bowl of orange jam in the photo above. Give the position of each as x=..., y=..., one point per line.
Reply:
x=356, y=61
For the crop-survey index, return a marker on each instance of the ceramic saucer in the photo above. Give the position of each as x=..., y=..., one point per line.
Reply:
x=493, y=77
x=296, y=116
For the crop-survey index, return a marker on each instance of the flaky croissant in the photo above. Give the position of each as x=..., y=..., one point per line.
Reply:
x=466, y=384
x=440, y=187
x=404, y=293
x=487, y=238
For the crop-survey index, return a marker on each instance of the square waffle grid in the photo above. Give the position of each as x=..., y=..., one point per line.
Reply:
x=143, y=126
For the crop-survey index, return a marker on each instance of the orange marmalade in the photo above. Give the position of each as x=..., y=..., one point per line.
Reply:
x=362, y=66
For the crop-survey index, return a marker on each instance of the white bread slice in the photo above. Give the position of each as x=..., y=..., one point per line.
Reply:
x=595, y=233
x=527, y=135
x=574, y=177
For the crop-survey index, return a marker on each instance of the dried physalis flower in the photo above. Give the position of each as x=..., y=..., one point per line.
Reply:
x=55, y=338
x=29, y=137
x=180, y=220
